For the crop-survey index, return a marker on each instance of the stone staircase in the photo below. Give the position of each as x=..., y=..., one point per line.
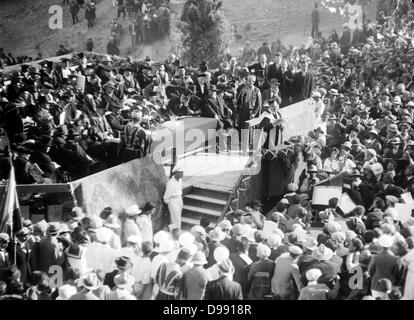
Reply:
x=201, y=202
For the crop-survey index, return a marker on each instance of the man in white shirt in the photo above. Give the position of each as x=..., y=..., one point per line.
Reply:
x=173, y=197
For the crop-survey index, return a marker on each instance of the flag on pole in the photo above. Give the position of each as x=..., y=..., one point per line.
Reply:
x=11, y=220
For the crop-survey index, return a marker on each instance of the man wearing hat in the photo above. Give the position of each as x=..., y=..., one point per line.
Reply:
x=87, y=284
x=195, y=280
x=50, y=251
x=224, y=288
x=273, y=93
x=169, y=277
x=173, y=197
x=383, y=265
x=215, y=107
x=130, y=228
x=4, y=256
x=286, y=278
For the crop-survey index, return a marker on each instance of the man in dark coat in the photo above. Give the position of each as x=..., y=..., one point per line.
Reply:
x=275, y=69
x=181, y=106
x=215, y=107
x=23, y=254
x=115, y=120
x=303, y=82
x=262, y=64
x=241, y=263
x=224, y=288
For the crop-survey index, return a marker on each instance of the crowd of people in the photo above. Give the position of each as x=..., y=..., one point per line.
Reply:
x=363, y=92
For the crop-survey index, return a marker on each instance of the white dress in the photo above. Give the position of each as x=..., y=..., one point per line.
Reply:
x=408, y=261
x=144, y=223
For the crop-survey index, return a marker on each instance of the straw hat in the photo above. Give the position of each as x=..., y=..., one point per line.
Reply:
x=90, y=281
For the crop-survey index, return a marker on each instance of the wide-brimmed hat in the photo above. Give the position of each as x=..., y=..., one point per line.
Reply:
x=313, y=274
x=53, y=229
x=90, y=281
x=385, y=241
x=66, y=291
x=123, y=263
x=112, y=222
x=295, y=250
x=177, y=168
x=104, y=235
x=133, y=210
x=322, y=253
x=238, y=229
x=199, y=258
x=165, y=246
x=77, y=214
x=312, y=168
x=217, y=234
x=347, y=144
x=220, y=254
x=124, y=280
x=226, y=266
x=225, y=225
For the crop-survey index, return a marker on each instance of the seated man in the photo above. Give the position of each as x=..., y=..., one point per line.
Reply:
x=215, y=107
x=182, y=106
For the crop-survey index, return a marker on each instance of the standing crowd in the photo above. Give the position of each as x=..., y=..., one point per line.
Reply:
x=363, y=92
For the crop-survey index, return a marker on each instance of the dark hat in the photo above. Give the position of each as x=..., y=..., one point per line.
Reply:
x=184, y=254
x=72, y=133
x=213, y=88
x=123, y=263
x=260, y=73
x=53, y=229
x=61, y=130
x=312, y=168
x=46, y=141
x=148, y=206
x=274, y=81
x=106, y=212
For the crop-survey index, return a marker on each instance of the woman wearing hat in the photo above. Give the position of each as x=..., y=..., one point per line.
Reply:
x=144, y=222
x=75, y=254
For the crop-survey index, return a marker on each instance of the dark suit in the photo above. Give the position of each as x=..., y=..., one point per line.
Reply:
x=275, y=72
x=384, y=265
x=116, y=122
x=302, y=86
x=223, y=289
x=231, y=244
x=241, y=270
x=257, y=66
x=22, y=260
x=109, y=279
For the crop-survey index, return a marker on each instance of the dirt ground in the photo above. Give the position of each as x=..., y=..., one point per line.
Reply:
x=24, y=26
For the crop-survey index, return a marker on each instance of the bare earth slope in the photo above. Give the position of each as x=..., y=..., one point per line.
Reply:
x=24, y=26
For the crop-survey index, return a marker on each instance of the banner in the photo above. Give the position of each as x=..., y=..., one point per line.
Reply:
x=300, y=119
x=135, y=182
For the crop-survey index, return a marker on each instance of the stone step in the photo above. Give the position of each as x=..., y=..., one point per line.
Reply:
x=216, y=193
x=194, y=212
x=187, y=223
x=204, y=202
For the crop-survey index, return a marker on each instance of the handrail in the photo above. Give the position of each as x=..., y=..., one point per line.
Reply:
x=233, y=193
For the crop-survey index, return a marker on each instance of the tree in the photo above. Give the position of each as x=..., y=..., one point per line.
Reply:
x=205, y=32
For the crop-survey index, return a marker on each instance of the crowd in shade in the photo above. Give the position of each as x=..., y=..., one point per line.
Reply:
x=362, y=85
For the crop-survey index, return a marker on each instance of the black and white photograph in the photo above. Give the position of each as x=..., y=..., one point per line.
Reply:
x=220, y=151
